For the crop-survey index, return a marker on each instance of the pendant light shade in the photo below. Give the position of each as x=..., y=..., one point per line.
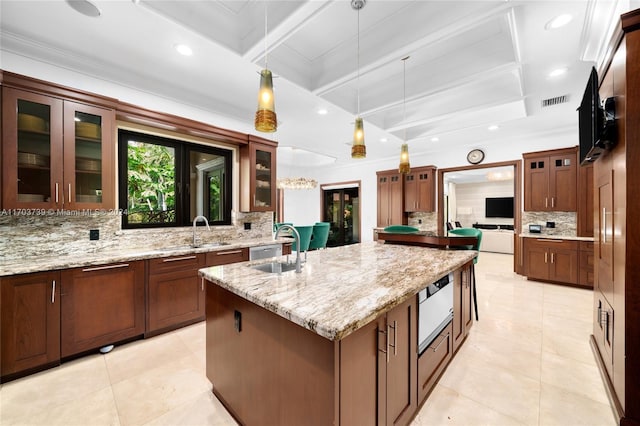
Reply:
x=404, y=167
x=266, y=120
x=358, y=149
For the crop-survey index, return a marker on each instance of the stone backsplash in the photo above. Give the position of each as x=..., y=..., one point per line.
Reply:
x=565, y=222
x=27, y=237
x=424, y=221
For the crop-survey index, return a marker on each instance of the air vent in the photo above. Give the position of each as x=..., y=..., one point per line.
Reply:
x=555, y=101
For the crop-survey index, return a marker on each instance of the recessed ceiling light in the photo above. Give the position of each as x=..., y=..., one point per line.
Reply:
x=183, y=49
x=493, y=127
x=557, y=72
x=85, y=7
x=383, y=140
x=323, y=111
x=435, y=139
x=558, y=21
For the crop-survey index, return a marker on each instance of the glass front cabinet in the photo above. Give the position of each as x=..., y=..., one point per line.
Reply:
x=57, y=154
x=258, y=176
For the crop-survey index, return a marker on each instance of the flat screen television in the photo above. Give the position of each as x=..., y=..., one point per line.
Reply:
x=499, y=207
x=595, y=122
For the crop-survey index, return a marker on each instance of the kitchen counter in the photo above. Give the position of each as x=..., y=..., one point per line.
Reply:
x=112, y=255
x=340, y=289
x=555, y=237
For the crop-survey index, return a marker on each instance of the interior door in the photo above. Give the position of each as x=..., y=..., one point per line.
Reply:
x=341, y=208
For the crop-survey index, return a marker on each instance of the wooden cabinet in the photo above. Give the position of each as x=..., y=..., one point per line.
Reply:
x=586, y=185
x=550, y=180
x=30, y=329
x=175, y=292
x=586, y=261
x=420, y=190
x=56, y=153
x=462, y=305
x=603, y=330
x=433, y=361
x=101, y=305
x=258, y=175
x=390, y=198
x=224, y=257
x=549, y=259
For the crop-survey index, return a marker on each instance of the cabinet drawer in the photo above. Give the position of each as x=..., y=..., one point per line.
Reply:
x=433, y=361
x=223, y=257
x=553, y=244
x=586, y=246
x=175, y=263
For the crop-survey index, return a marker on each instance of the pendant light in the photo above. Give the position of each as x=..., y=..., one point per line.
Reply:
x=404, y=166
x=358, y=149
x=266, y=120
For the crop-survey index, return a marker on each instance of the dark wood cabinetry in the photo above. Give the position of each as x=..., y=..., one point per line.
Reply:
x=390, y=198
x=175, y=292
x=101, y=305
x=433, y=361
x=30, y=329
x=224, y=257
x=56, y=153
x=258, y=175
x=586, y=262
x=550, y=180
x=586, y=185
x=548, y=259
x=420, y=189
x=462, y=305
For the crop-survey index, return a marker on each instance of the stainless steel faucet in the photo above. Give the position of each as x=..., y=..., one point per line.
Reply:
x=296, y=237
x=197, y=241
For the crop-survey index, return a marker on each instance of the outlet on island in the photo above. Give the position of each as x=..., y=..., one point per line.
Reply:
x=247, y=226
x=94, y=234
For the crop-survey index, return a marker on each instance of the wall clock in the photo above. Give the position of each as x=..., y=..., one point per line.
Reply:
x=475, y=156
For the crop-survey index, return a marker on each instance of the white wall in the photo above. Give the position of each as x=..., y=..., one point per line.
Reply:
x=471, y=197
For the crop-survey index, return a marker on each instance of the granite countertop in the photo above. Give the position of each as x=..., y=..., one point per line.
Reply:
x=555, y=237
x=340, y=289
x=113, y=255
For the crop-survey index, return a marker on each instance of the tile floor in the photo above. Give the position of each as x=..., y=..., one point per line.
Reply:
x=527, y=362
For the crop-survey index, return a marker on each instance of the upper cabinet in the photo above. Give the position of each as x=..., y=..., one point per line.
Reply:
x=390, y=198
x=56, y=153
x=550, y=180
x=258, y=175
x=420, y=190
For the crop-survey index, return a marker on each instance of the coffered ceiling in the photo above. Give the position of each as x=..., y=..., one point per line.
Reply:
x=472, y=63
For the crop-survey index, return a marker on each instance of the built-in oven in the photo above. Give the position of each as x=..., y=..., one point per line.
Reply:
x=435, y=310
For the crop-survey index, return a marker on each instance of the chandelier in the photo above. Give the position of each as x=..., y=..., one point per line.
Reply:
x=297, y=183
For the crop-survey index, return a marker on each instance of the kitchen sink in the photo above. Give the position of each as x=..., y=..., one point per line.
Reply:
x=275, y=267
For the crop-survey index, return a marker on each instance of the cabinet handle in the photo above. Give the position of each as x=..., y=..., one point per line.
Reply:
x=69, y=193
x=545, y=257
x=222, y=253
x=102, y=268
x=395, y=337
x=387, y=343
x=552, y=257
x=56, y=192
x=53, y=292
x=201, y=283
x=444, y=338
x=604, y=226
x=606, y=325
x=600, y=316
x=546, y=202
x=553, y=202
x=177, y=259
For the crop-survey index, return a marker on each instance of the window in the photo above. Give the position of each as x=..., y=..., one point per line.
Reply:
x=167, y=182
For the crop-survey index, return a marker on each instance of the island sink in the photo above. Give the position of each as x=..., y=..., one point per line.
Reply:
x=275, y=267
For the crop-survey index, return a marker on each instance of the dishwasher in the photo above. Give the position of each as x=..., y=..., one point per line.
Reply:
x=435, y=310
x=265, y=252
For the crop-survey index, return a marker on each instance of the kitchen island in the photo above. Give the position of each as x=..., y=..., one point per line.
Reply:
x=335, y=344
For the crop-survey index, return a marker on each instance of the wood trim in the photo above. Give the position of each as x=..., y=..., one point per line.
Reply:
x=616, y=407
x=631, y=21
x=550, y=152
x=254, y=138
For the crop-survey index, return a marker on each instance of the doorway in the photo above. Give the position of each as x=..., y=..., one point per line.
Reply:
x=341, y=208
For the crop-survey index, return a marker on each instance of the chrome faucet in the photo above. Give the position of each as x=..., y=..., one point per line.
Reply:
x=197, y=241
x=296, y=237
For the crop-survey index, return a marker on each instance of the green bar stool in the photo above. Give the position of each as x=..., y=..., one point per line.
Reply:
x=319, y=236
x=305, y=239
x=471, y=232
x=400, y=229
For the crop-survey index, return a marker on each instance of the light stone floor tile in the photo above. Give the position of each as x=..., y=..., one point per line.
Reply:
x=527, y=362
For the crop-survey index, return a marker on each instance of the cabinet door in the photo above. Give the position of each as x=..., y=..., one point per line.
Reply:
x=603, y=231
x=458, y=317
x=536, y=184
x=101, y=305
x=31, y=150
x=563, y=266
x=562, y=182
x=433, y=361
x=30, y=321
x=586, y=264
x=467, y=303
x=176, y=296
x=536, y=260
x=88, y=157
x=585, y=200
x=396, y=200
x=258, y=177
x=426, y=191
x=411, y=192
x=603, y=330
x=224, y=257
x=384, y=194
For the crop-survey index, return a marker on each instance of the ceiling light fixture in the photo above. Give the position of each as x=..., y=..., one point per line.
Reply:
x=297, y=183
x=358, y=149
x=183, y=49
x=85, y=7
x=557, y=72
x=558, y=22
x=323, y=111
x=435, y=139
x=266, y=120
x=493, y=127
x=404, y=166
